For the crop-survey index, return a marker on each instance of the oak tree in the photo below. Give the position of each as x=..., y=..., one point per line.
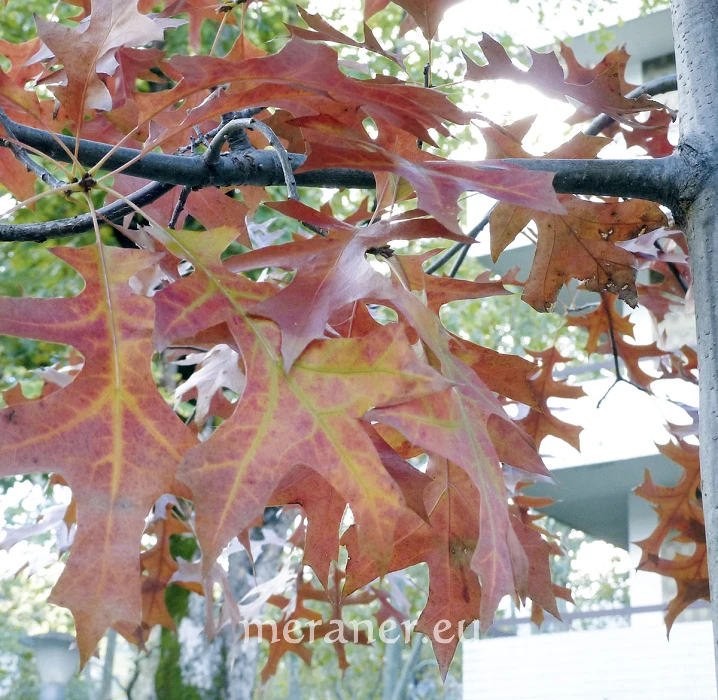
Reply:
x=324, y=378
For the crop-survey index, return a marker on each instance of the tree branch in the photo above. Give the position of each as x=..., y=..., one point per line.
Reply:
x=457, y=247
x=60, y=228
x=641, y=178
x=658, y=86
x=652, y=179
x=667, y=83
x=253, y=167
x=212, y=155
x=23, y=156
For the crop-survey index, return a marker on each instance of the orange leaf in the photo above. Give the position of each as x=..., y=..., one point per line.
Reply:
x=607, y=322
x=302, y=74
x=467, y=425
x=427, y=13
x=578, y=244
x=603, y=93
x=88, y=49
x=310, y=415
x=331, y=271
x=540, y=421
x=323, y=31
x=158, y=566
x=438, y=183
x=109, y=434
x=679, y=508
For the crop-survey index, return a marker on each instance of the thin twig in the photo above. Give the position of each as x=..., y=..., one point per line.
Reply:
x=179, y=206
x=616, y=366
x=239, y=141
x=315, y=229
x=23, y=156
x=658, y=86
x=584, y=307
x=59, y=228
x=64, y=189
x=451, y=252
x=201, y=138
x=427, y=84
x=459, y=261
x=228, y=116
x=618, y=381
x=673, y=268
x=614, y=347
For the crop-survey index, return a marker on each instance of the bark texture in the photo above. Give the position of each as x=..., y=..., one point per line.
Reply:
x=695, y=29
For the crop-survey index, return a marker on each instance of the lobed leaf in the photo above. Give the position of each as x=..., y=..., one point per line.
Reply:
x=109, y=434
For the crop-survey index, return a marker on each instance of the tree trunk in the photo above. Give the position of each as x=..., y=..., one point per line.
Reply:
x=107, y=666
x=241, y=656
x=695, y=29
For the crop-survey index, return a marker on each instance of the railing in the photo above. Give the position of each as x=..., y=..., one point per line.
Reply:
x=498, y=629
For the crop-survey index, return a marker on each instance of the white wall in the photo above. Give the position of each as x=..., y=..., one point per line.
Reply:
x=629, y=663
x=646, y=587
x=645, y=37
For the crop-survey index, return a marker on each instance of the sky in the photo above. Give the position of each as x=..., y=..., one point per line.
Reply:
x=563, y=19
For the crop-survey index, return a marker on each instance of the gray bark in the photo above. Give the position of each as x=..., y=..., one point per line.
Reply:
x=242, y=656
x=391, y=670
x=407, y=669
x=643, y=178
x=695, y=28
x=295, y=688
x=107, y=667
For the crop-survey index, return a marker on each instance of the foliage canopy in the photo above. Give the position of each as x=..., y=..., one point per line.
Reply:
x=323, y=374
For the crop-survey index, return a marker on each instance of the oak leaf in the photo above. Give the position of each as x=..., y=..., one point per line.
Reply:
x=467, y=425
x=303, y=78
x=323, y=31
x=331, y=271
x=579, y=244
x=540, y=420
x=310, y=414
x=427, y=13
x=446, y=544
x=158, y=569
x=438, y=183
x=607, y=322
x=323, y=507
x=503, y=373
x=371, y=7
x=109, y=433
x=88, y=49
x=602, y=93
x=680, y=509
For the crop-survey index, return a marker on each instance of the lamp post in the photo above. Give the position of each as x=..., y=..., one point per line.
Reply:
x=56, y=662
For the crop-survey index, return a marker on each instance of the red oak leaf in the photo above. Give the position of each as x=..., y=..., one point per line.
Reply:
x=88, y=49
x=109, y=434
x=310, y=414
